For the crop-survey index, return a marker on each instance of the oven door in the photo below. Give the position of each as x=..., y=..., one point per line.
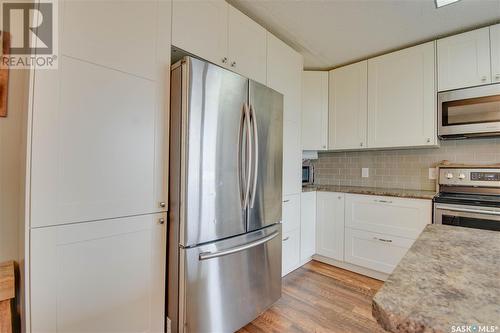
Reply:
x=487, y=218
x=469, y=112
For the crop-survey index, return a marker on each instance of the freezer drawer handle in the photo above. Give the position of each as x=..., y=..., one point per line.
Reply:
x=210, y=255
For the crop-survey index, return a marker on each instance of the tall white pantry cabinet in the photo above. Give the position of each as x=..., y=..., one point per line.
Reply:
x=97, y=161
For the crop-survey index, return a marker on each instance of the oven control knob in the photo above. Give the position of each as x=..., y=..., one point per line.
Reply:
x=449, y=175
x=461, y=176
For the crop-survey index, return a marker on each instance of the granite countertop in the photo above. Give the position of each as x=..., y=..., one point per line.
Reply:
x=391, y=192
x=450, y=277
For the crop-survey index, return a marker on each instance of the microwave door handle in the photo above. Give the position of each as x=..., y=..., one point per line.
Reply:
x=468, y=210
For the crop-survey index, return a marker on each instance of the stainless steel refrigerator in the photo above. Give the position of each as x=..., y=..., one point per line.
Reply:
x=224, y=262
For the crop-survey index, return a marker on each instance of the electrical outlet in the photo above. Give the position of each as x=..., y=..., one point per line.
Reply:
x=433, y=173
x=365, y=172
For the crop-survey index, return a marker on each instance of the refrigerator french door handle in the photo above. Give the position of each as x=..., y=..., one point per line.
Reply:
x=211, y=255
x=249, y=154
x=241, y=179
x=256, y=151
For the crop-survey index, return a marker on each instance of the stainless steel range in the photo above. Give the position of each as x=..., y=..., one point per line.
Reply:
x=468, y=197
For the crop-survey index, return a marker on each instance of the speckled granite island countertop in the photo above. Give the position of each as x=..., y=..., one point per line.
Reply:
x=449, y=280
x=390, y=192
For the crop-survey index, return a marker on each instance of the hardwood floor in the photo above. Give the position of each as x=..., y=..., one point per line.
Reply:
x=321, y=298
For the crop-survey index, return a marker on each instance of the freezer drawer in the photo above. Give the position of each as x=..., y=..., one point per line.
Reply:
x=229, y=283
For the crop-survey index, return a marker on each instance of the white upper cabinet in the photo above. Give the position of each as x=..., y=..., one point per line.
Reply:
x=247, y=46
x=200, y=27
x=285, y=76
x=314, y=110
x=495, y=52
x=464, y=60
x=402, y=98
x=100, y=129
x=219, y=33
x=348, y=107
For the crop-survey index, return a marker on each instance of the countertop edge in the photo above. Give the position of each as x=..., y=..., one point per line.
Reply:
x=397, y=193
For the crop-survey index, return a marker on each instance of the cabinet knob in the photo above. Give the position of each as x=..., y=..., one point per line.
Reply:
x=483, y=78
x=361, y=144
x=324, y=146
x=497, y=76
x=339, y=197
x=285, y=239
x=162, y=205
x=161, y=221
x=428, y=140
x=233, y=64
x=224, y=60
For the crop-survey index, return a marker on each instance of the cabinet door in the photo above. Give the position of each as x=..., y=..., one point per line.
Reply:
x=330, y=225
x=314, y=110
x=495, y=52
x=246, y=46
x=285, y=76
x=394, y=216
x=464, y=60
x=99, y=131
x=402, y=98
x=291, y=212
x=291, y=251
x=106, y=276
x=348, y=106
x=307, y=225
x=375, y=251
x=200, y=28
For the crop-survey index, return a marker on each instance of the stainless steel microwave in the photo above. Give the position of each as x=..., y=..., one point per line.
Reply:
x=469, y=112
x=307, y=174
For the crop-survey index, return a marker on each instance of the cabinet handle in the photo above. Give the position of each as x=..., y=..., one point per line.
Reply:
x=383, y=201
x=161, y=220
x=324, y=147
x=340, y=198
x=162, y=204
x=497, y=76
x=483, y=78
x=383, y=240
x=286, y=238
x=361, y=144
x=233, y=64
x=428, y=140
x=224, y=60
x=286, y=200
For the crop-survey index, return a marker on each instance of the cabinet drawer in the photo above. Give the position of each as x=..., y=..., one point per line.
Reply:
x=379, y=252
x=388, y=215
x=291, y=212
x=291, y=251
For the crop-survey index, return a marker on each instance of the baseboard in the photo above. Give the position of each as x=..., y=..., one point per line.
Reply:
x=350, y=267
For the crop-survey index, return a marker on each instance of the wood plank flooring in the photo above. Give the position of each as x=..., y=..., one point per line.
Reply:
x=321, y=298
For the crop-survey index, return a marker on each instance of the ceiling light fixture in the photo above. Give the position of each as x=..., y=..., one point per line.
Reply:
x=441, y=3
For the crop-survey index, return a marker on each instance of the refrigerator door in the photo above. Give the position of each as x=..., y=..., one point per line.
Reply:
x=227, y=284
x=266, y=112
x=213, y=129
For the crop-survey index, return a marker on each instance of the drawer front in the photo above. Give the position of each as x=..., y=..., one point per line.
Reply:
x=388, y=215
x=291, y=251
x=375, y=251
x=291, y=212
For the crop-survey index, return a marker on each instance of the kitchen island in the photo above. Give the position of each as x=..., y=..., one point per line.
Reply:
x=449, y=281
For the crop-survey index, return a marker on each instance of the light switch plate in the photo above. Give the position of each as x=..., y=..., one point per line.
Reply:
x=365, y=172
x=432, y=173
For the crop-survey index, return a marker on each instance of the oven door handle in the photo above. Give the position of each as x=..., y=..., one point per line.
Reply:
x=468, y=210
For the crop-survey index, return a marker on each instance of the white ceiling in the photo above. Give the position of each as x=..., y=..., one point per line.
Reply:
x=330, y=33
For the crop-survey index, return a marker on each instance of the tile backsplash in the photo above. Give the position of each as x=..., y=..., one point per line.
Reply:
x=407, y=169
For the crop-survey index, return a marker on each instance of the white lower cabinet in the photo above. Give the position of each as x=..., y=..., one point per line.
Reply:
x=103, y=276
x=379, y=252
x=369, y=233
x=307, y=225
x=290, y=251
x=291, y=212
x=330, y=224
